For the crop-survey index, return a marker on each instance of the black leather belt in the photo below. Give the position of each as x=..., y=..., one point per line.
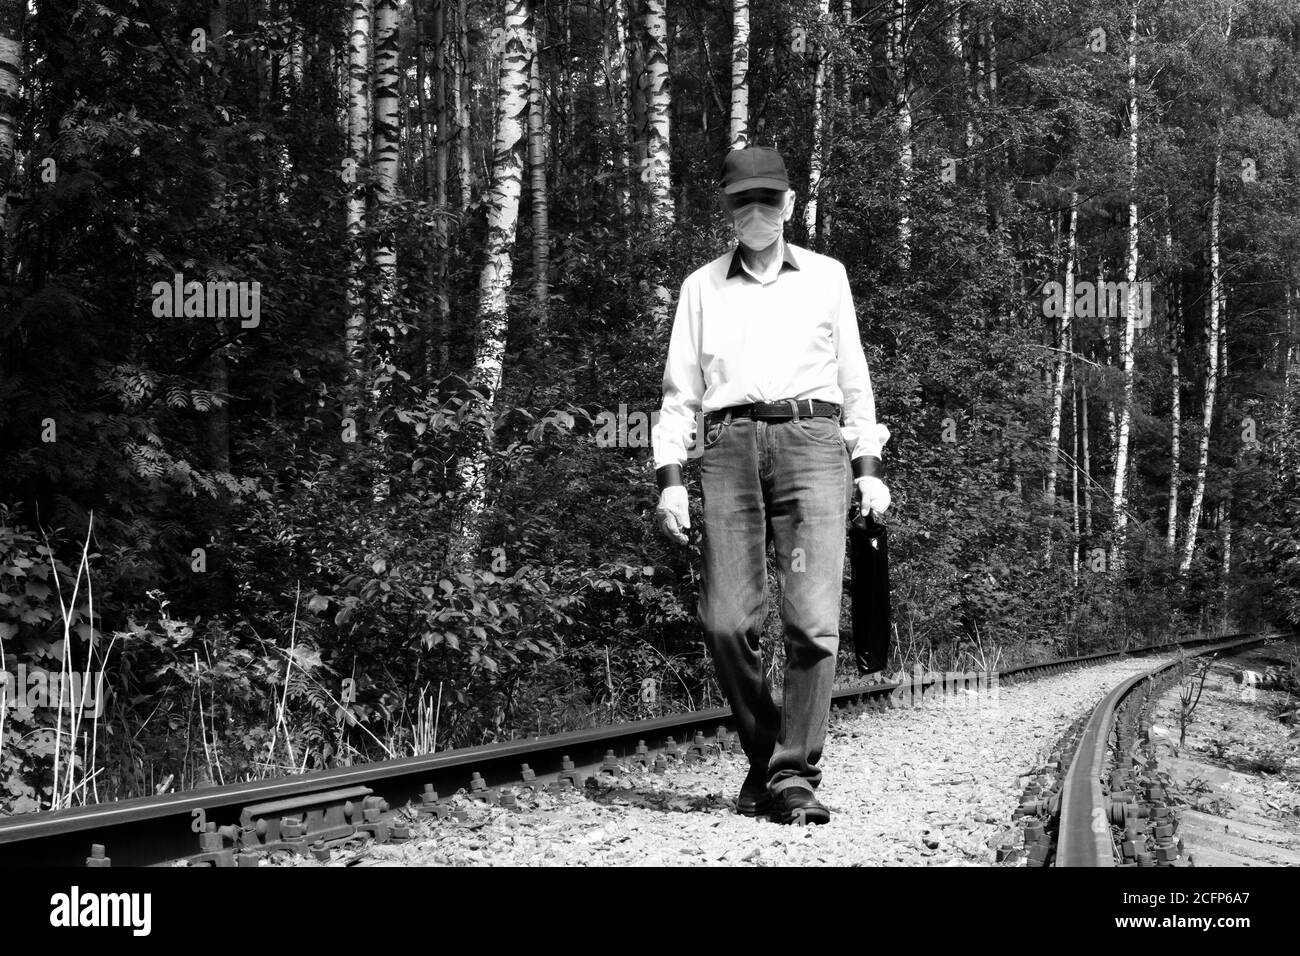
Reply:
x=784, y=410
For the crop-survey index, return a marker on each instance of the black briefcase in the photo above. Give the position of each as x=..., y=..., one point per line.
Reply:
x=869, y=590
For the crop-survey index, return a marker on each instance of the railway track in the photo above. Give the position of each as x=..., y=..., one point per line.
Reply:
x=238, y=824
x=1112, y=807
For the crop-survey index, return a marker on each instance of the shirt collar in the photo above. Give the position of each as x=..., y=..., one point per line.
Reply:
x=787, y=259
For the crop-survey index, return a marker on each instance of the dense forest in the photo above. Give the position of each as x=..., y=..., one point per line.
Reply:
x=331, y=333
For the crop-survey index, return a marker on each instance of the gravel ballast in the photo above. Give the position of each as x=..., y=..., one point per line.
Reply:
x=928, y=786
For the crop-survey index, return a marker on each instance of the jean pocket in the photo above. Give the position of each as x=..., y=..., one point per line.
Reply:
x=823, y=431
x=713, y=433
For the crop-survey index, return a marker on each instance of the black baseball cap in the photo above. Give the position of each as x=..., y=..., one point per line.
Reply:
x=754, y=167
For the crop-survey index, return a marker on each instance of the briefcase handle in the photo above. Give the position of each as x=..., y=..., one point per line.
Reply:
x=868, y=519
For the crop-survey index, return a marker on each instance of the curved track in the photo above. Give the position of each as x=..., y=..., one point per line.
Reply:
x=1087, y=810
x=235, y=824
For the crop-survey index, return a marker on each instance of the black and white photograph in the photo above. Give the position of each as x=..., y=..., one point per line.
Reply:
x=521, y=435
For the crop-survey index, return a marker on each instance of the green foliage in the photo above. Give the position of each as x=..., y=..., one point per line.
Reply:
x=322, y=622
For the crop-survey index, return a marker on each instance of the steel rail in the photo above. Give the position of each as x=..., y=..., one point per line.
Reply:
x=1084, y=834
x=148, y=831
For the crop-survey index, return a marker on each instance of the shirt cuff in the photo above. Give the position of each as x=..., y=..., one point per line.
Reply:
x=867, y=466
x=666, y=476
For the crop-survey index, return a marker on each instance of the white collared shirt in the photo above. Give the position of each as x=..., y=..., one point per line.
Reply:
x=737, y=339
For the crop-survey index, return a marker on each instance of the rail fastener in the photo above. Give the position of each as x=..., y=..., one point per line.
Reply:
x=98, y=856
x=641, y=755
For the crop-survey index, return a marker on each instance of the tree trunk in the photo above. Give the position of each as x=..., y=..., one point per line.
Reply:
x=654, y=32
x=957, y=49
x=1225, y=506
x=518, y=50
x=1173, y=296
x=1108, y=340
x=817, y=157
x=11, y=73
x=658, y=169
x=460, y=105
x=1087, y=462
x=638, y=97
x=1074, y=470
x=1058, y=377
x=441, y=16
x=387, y=142
x=358, y=153
x=1289, y=380
x=621, y=111
x=1130, y=309
x=897, y=63
x=739, y=130
x=1211, y=373
x=537, y=195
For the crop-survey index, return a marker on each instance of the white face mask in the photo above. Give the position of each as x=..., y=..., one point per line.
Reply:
x=758, y=225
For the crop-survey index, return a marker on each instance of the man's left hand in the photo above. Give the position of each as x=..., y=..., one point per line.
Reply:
x=872, y=496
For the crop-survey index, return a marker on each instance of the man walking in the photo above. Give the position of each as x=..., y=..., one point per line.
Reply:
x=765, y=342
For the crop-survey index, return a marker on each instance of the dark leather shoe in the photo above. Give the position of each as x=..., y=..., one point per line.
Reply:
x=755, y=799
x=798, y=805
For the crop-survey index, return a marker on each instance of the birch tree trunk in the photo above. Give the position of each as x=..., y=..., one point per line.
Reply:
x=11, y=73
x=739, y=131
x=358, y=153
x=1058, y=377
x=442, y=141
x=1101, y=310
x=1211, y=374
x=1225, y=507
x=658, y=168
x=518, y=52
x=1289, y=380
x=817, y=156
x=537, y=195
x=1087, y=461
x=460, y=105
x=1173, y=297
x=654, y=25
x=1130, y=309
x=386, y=154
x=1074, y=469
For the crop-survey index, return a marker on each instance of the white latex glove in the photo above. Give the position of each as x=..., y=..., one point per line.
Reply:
x=872, y=496
x=673, y=513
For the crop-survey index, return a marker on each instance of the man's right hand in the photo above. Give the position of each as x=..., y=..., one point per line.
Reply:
x=673, y=513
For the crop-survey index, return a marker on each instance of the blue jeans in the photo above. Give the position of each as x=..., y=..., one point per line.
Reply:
x=789, y=482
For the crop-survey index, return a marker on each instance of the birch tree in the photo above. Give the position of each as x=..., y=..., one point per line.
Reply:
x=358, y=153
x=739, y=131
x=387, y=145
x=1225, y=505
x=1058, y=377
x=518, y=48
x=1173, y=298
x=11, y=73
x=442, y=125
x=1130, y=308
x=1211, y=371
x=460, y=104
x=657, y=168
x=537, y=193
x=816, y=157
x=657, y=172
